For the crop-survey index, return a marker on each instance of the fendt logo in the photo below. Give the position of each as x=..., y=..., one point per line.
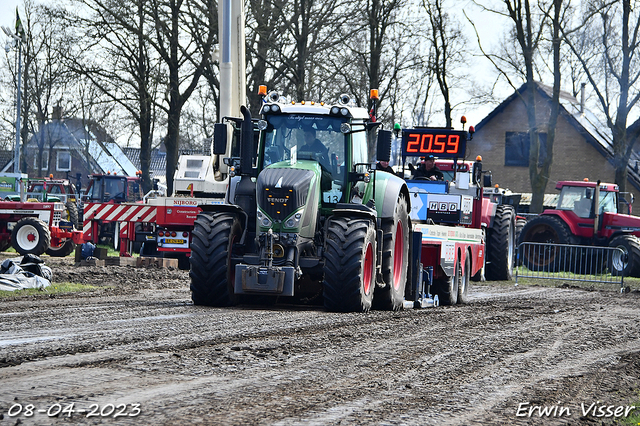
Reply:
x=277, y=200
x=443, y=207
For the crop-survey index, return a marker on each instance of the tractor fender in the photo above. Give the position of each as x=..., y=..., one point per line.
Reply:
x=229, y=208
x=388, y=190
x=564, y=217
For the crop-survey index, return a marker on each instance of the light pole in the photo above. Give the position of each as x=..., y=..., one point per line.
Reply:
x=18, y=42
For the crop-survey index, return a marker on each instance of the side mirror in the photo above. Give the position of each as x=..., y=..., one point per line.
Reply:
x=384, y=145
x=219, y=138
x=486, y=180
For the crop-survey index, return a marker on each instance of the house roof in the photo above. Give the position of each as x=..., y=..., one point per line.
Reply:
x=6, y=157
x=596, y=133
x=158, y=166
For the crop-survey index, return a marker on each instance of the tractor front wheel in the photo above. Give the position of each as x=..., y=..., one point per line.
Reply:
x=349, y=265
x=464, y=283
x=30, y=236
x=65, y=248
x=627, y=262
x=212, y=271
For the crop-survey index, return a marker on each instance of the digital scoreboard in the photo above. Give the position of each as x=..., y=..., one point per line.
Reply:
x=441, y=143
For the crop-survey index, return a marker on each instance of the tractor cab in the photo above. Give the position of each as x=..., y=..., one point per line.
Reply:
x=578, y=197
x=108, y=188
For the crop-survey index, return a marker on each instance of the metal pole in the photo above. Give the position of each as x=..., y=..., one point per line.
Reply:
x=16, y=159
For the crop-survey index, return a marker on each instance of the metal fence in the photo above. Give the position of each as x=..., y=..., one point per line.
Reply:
x=570, y=263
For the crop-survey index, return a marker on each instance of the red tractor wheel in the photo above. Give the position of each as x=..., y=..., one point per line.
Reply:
x=30, y=236
x=547, y=257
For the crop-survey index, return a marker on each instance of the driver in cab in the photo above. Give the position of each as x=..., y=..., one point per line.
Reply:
x=312, y=144
x=427, y=169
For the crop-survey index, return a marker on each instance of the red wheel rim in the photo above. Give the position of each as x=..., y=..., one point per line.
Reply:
x=367, y=274
x=398, y=256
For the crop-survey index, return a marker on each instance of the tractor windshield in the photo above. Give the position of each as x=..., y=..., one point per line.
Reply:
x=309, y=137
x=579, y=200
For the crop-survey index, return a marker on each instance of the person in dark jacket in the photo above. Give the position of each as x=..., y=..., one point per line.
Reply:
x=427, y=169
x=385, y=167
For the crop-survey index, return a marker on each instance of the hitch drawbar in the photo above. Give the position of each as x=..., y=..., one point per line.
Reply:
x=421, y=278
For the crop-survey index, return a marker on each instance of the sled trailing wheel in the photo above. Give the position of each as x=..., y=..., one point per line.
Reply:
x=464, y=281
x=215, y=237
x=447, y=287
x=395, y=253
x=349, y=265
x=501, y=245
x=30, y=236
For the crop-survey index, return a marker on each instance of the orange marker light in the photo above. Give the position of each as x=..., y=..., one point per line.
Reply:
x=262, y=90
x=479, y=158
x=463, y=119
x=373, y=94
x=586, y=179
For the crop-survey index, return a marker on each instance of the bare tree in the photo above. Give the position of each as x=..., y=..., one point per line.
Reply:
x=613, y=69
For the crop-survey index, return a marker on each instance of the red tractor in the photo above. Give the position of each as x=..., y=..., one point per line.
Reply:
x=587, y=214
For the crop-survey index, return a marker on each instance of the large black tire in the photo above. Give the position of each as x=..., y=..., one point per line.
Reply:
x=447, y=288
x=72, y=211
x=30, y=236
x=349, y=265
x=629, y=262
x=212, y=273
x=501, y=245
x=520, y=223
x=464, y=281
x=551, y=230
x=64, y=249
x=395, y=259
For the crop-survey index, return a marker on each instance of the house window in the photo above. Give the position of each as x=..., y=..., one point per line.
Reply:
x=45, y=160
x=63, y=161
x=516, y=152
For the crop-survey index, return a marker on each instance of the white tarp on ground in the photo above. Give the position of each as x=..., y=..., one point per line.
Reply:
x=26, y=272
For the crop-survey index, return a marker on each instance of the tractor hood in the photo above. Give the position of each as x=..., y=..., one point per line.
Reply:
x=282, y=194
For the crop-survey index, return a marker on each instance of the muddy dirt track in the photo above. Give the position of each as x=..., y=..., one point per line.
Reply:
x=139, y=352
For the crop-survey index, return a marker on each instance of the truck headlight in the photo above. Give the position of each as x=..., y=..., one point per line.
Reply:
x=263, y=220
x=293, y=221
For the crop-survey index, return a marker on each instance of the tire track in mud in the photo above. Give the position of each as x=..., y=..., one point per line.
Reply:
x=458, y=365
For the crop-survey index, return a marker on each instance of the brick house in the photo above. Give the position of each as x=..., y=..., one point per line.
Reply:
x=69, y=146
x=582, y=148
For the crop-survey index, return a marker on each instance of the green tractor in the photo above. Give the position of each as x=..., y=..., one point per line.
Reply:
x=306, y=219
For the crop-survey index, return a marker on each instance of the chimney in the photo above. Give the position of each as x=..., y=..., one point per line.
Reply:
x=582, y=88
x=57, y=113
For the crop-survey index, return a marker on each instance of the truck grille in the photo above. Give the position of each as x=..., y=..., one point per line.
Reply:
x=283, y=191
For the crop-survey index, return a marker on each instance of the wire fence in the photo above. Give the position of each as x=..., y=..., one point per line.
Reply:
x=563, y=262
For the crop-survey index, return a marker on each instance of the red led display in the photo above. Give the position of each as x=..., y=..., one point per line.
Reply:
x=441, y=143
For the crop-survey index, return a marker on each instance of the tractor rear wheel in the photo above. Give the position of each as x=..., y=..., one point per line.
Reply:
x=30, y=236
x=501, y=245
x=627, y=262
x=349, y=265
x=549, y=230
x=212, y=272
x=395, y=259
x=447, y=288
x=72, y=213
x=65, y=248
